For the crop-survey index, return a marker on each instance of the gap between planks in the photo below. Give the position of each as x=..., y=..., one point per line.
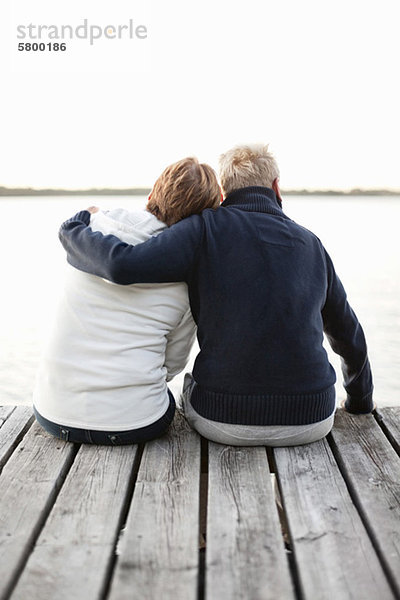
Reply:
x=370, y=468
x=388, y=419
x=202, y=504
x=14, y=424
x=24, y=515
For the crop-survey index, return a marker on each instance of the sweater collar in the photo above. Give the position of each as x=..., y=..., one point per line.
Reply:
x=255, y=199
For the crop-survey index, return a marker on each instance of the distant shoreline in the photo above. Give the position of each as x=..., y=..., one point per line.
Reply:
x=6, y=191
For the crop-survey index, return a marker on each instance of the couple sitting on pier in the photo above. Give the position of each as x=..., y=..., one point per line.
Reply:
x=260, y=289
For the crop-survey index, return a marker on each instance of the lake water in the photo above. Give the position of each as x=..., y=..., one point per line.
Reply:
x=360, y=234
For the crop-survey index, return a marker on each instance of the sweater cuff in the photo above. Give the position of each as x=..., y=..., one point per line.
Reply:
x=359, y=406
x=83, y=216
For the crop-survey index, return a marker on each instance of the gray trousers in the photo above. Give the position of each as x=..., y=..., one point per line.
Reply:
x=250, y=435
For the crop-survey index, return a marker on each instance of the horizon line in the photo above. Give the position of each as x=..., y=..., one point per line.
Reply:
x=143, y=190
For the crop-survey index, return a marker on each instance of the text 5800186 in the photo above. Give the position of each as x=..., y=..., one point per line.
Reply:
x=41, y=47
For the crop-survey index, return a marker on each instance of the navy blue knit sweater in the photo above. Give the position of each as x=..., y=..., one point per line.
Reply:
x=262, y=291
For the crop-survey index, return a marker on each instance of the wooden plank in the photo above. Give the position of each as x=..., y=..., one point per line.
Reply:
x=28, y=485
x=75, y=550
x=5, y=412
x=159, y=549
x=389, y=418
x=372, y=471
x=333, y=553
x=14, y=422
x=245, y=551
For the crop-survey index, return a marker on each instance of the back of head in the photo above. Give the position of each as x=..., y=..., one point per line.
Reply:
x=183, y=189
x=245, y=166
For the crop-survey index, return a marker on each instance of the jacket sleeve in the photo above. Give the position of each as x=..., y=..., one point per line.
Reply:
x=347, y=339
x=165, y=258
x=179, y=344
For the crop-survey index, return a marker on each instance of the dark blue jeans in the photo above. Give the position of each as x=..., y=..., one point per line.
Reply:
x=110, y=438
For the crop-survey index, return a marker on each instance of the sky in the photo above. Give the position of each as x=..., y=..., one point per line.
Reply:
x=315, y=79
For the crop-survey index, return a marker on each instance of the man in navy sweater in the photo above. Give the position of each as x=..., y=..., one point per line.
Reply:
x=262, y=291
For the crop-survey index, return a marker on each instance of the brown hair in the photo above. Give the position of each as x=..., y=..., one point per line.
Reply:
x=184, y=188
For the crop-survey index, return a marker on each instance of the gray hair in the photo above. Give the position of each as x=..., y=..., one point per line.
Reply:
x=244, y=166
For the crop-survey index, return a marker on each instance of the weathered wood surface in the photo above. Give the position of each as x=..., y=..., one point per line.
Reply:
x=160, y=546
x=245, y=550
x=389, y=418
x=29, y=483
x=62, y=508
x=75, y=550
x=5, y=412
x=14, y=422
x=372, y=471
x=334, y=555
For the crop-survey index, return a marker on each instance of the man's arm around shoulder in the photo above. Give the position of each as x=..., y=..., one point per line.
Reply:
x=170, y=256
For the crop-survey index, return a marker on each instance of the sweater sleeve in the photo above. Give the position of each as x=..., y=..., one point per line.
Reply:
x=165, y=258
x=347, y=339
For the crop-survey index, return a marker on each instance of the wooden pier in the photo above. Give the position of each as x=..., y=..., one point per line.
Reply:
x=183, y=519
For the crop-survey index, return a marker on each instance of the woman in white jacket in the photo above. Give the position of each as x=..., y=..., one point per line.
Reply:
x=103, y=375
